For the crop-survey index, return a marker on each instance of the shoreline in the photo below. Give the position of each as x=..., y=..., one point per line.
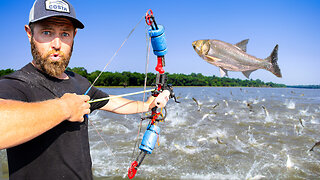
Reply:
x=187, y=87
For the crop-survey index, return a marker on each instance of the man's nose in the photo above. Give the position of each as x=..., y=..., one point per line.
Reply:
x=56, y=43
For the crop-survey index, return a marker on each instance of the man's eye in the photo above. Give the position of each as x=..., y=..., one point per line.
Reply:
x=46, y=32
x=65, y=34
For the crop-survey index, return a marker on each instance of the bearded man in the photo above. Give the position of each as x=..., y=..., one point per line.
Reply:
x=43, y=124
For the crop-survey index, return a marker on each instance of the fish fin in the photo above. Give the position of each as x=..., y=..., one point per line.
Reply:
x=273, y=59
x=214, y=59
x=223, y=72
x=247, y=73
x=243, y=45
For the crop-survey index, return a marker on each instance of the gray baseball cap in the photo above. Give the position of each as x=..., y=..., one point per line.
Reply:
x=42, y=9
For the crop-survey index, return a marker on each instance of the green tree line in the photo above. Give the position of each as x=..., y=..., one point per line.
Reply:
x=127, y=78
x=5, y=72
x=306, y=86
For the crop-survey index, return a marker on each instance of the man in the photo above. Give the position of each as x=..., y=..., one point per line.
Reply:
x=42, y=106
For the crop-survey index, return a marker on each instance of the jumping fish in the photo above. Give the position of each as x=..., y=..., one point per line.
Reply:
x=230, y=57
x=199, y=105
x=215, y=106
x=300, y=120
x=316, y=144
x=265, y=110
x=249, y=106
x=220, y=141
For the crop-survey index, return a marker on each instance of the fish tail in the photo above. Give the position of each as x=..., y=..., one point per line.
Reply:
x=273, y=59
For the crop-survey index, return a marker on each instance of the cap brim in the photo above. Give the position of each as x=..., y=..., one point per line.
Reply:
x=76, y=23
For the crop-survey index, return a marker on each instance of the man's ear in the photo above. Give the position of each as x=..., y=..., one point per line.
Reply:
x=75, y=32
x=28, y=30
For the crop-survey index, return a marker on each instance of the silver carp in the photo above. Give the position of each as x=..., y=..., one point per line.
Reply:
x=229, y=57
x=315, y=145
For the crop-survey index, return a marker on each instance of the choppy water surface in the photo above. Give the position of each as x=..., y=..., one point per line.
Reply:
x=234, y=133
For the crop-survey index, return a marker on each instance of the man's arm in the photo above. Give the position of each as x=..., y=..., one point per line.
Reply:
x=21, y=121
x=125, y=106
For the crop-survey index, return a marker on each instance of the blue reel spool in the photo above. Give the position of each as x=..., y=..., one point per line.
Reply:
x=150, y=138
x=158, y=41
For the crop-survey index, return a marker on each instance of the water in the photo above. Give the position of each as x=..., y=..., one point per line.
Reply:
x=234, y=133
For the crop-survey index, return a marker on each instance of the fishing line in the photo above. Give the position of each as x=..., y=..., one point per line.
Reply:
x=102, y=139
x=113, y=56
x=101, y=74
x=148, y=42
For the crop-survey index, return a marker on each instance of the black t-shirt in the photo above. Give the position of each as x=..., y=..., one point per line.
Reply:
x=62, y=152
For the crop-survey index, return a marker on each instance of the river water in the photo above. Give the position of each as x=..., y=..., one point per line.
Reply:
x=232, y=133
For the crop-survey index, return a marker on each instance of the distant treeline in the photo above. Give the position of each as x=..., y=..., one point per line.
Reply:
x=137, y=79
x=306, y=86
x=6, y=71
x=127, y=78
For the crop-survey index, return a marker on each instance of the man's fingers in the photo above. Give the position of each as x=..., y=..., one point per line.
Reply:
x=81, y=119
x=162, y=99
x=87, y=108
x=76, y=106
x=85, y=97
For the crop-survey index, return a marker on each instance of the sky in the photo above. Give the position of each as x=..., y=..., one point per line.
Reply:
x=292, y=24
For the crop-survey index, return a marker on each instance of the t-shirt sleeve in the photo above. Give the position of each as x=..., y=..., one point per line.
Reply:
x=95, y=93
x=11, y=89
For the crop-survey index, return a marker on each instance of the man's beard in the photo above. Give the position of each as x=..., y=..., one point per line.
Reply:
x=48, y=66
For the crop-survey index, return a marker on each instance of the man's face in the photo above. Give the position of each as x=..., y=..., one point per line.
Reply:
x=52, y=45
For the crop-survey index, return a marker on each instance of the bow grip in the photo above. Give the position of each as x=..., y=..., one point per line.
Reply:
x=162, y=99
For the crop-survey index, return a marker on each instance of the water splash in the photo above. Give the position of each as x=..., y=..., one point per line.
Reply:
x=289, y=163
x=290, y=104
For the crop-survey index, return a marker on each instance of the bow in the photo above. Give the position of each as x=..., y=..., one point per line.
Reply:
x=151, y=135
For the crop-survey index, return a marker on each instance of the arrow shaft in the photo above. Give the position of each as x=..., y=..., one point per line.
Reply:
x=122, y=95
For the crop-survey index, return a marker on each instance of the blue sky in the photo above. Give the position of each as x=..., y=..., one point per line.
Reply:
x=293, y=24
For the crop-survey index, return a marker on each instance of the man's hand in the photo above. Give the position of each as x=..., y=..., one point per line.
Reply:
x=162, y=99
x=75, y=106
